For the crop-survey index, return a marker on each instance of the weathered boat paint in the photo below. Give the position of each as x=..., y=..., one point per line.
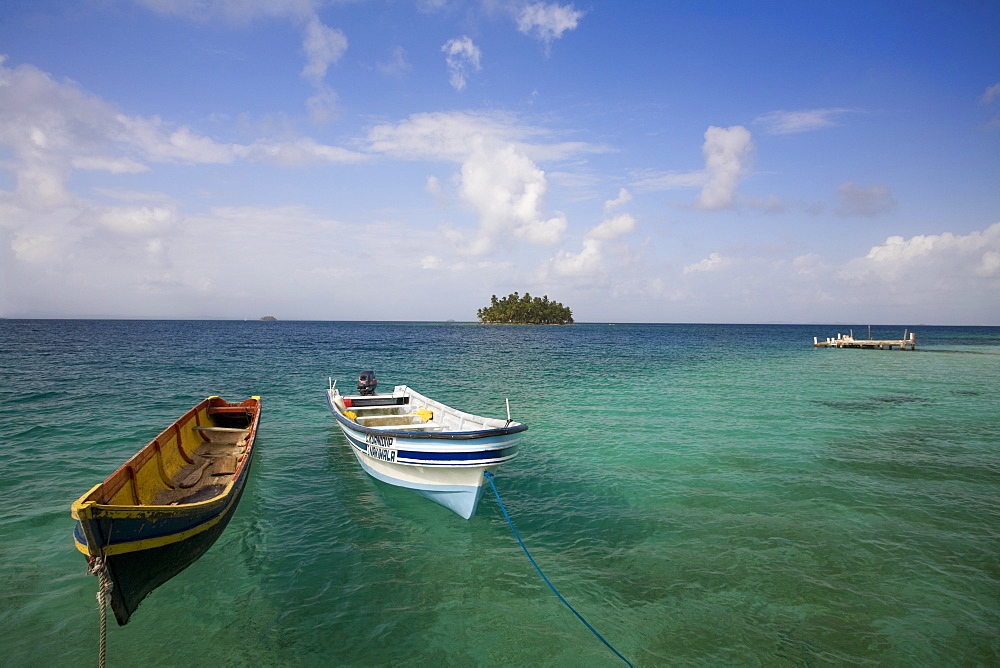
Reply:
x=142, y=525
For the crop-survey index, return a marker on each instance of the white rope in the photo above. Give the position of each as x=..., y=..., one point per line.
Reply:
x=103, y=592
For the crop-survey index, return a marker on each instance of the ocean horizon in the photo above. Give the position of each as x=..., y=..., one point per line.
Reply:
x=211, y=318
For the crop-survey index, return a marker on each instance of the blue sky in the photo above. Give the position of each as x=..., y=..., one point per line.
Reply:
x=688, y=161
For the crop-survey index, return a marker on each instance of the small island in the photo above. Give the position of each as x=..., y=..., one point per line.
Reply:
x=526, y=310
x=268, y=318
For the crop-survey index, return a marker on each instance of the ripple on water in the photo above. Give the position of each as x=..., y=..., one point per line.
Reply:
x=704, y=495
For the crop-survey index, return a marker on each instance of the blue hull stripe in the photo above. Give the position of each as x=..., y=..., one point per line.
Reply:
x=501, y=453
x=162, y=522
x=424, y=458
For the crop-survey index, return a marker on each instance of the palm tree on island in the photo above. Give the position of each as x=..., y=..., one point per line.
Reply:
x=526, y=310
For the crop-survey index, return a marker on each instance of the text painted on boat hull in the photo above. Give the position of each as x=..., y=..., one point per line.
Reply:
x=380, y=447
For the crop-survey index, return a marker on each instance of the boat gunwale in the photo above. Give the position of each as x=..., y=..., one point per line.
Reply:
x=131, y=510
x=424, y=435
x=513, y=428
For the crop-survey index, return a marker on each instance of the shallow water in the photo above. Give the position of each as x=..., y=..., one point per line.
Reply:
x=702, y=494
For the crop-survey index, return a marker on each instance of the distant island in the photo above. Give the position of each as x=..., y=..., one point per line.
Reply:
x=526, y=310
x=268, y=317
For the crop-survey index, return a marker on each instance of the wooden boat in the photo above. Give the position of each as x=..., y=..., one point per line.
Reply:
x=409, y=440
x=164, y=507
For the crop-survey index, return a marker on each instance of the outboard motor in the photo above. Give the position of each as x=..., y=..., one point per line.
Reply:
x=367, y=383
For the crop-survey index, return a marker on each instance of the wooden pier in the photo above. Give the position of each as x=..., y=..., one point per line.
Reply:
x=848, y=341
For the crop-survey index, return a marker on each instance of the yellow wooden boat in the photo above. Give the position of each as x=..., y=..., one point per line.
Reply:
x=165, y=506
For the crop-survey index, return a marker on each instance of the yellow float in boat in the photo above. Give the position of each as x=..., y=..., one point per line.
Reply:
x=424, y=414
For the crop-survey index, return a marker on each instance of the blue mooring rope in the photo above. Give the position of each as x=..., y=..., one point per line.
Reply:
x=489, y=476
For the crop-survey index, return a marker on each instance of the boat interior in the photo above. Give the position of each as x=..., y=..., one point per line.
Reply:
x=404, y=410
x=215, y=463
x=192, y=460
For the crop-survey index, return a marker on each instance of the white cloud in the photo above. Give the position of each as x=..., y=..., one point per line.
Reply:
x=71, y=254
x=548, y=21
x=397, y=65
x=587, y=262
x=41, y=183
x=713, y=262
x=727, y=152
x=46, y=125
x=35, y=248
x=323, y=47
x=651, y=181
x=868, y=201
x=108, y=164
x=461, y=55
x=624, y=197
x=612, y=228
x=542, y=231
x=809, y=264
x=450, y=136
x=110, y=260
x=936, y=278
x=440, y=136
x=54, y=127
x=933, y=259
x=769, y=204
x=507, y=190
x=296, y=152
x=991, y=93
x=140, y=221
x=499, y=179
x=322, y=105
x=159, y=143
x=790, y=122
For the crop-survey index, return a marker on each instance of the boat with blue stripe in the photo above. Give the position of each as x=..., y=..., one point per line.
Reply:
x=409, y=440
x=164, y=507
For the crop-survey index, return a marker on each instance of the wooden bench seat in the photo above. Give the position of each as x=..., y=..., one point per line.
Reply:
x=385, y=420
x=394, y=409
x=222, y=430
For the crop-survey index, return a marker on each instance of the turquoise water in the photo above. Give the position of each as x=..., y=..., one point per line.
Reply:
x=702, y=494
